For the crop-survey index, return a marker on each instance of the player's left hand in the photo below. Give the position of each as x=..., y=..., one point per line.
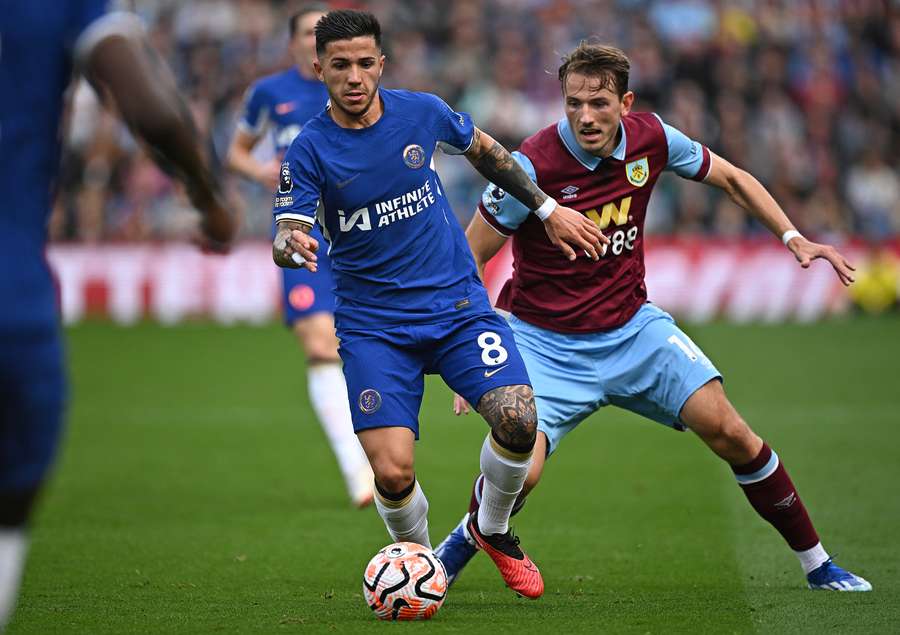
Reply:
x=806, y=251
x=294, y=248
x=572, y=231
x=460, y=405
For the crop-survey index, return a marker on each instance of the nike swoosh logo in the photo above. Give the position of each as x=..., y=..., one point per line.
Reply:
x=491, y=373
x=344, y=184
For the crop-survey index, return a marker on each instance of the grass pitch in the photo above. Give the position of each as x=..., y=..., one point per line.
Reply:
x=196, y=494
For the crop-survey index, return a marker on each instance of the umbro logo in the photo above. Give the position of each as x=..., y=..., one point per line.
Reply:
x=569, y=191
x=787, y=501
x=490, y=373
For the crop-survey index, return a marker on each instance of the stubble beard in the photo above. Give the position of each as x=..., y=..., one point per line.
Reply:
x=358, y=114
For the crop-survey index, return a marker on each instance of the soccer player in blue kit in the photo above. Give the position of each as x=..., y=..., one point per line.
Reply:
x=284, y=102
x=408, y=297
x=42, y=39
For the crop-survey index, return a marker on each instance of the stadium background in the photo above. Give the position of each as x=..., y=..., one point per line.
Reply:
x=195, y=493
x=804, y=95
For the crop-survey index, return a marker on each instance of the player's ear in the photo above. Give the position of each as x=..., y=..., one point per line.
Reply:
x=627, y=102
x=381, y=65
x=318, y=69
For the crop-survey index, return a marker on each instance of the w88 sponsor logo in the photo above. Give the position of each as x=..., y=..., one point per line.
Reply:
x=622, y=240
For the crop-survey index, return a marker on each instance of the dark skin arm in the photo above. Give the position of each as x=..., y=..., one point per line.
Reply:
x=126, y=70
x=569, y=230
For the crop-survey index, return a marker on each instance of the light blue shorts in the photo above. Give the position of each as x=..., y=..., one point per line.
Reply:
x=648, y=366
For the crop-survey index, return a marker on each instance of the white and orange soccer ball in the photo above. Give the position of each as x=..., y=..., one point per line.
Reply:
x=405, y=581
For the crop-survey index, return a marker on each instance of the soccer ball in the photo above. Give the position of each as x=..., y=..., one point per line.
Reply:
x=405, y=581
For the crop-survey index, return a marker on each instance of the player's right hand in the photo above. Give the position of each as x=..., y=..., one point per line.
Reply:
x=294, y=248
x=574, y=232
x=460, y=405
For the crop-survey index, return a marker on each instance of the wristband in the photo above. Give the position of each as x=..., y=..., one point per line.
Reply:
x=543, y=212
x=789, y=234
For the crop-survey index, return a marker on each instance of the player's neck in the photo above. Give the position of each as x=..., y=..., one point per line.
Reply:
x=369, y=118
x=606, y=151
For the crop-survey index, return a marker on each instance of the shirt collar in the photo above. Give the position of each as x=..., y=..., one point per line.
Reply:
x=584, y=157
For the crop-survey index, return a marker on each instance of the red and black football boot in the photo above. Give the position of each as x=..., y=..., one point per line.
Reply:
x=518, y=571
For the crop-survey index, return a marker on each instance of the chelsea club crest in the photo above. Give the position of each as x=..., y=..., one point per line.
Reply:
x=414, y=156
x=369, y=400
x=637, y=172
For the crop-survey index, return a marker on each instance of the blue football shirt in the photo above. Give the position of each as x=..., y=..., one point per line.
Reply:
x=282, y=102
x=398, y=254
x=40, y=41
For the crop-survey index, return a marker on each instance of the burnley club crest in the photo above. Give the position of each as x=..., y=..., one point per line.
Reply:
x=637, y=172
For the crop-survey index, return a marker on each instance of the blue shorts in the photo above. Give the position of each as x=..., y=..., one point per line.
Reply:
x=32, y=400
x=648, y=366
x=385, y=368
x=304, y=292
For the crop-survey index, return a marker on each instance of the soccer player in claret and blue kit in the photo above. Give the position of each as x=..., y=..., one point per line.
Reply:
x=587, y=333
x=408, y=297
x=42, y=41
x=283, y=103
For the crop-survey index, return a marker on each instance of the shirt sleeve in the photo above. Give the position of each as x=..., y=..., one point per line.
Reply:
x=500, y=210
x=453, y=130
x=91, y=22
x=254, y=113
x=687, y=158
x=299, y=186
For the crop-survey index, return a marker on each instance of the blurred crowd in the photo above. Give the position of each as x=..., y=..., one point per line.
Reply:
x=804, y=94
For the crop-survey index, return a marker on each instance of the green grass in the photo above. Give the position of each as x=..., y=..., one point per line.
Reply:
x=196, y=494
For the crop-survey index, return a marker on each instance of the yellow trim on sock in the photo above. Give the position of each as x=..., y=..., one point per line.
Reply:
x=397, y=504
x=507, y=453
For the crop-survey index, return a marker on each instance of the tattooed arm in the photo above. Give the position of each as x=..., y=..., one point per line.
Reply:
x=510, y=412
x=565, y=227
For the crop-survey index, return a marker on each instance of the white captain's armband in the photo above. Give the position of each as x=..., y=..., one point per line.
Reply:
x=306, y=220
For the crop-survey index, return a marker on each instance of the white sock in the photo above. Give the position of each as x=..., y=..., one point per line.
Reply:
x=328, y=394
x=406, y=520
x=504, y=475
x=13, y=546
x=812, y=559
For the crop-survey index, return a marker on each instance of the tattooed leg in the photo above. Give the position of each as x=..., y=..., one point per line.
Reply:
x=505, y=454
x=510, y=412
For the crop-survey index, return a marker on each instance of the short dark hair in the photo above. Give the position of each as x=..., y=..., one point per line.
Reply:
x=346, y=24
x=608, y=63
x=294, y=23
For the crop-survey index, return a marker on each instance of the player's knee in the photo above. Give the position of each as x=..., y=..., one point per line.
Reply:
x=733, y=439
x=511, y=413
x=392, y=476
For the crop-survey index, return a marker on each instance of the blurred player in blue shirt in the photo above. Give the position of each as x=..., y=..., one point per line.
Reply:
x=42, y=41
x=408, y=298
x=282, y=103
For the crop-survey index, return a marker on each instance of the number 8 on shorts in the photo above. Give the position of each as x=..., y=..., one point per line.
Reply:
x=492, y=351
